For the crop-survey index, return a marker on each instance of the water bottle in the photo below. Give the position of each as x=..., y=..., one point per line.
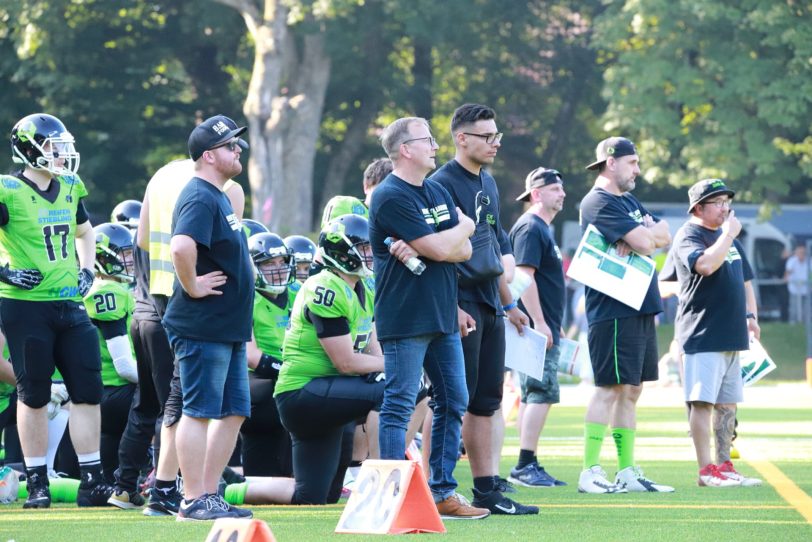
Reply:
x=414, y=263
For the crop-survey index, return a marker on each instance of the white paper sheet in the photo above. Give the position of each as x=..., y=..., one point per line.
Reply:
x=525, y=353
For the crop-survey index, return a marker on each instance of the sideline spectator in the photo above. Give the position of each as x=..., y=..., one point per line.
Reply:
x=374, y=173
x=798, y=274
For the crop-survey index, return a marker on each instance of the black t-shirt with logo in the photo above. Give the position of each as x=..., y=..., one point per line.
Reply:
x=712, y=310
x=408, y=305
x=534, y=246
x=478, y=198
x=204, y=213
x=615, y=216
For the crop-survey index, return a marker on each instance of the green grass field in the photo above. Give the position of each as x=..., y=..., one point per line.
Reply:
x=782, y=436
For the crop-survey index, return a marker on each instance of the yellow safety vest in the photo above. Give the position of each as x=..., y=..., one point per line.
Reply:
x=164, y=189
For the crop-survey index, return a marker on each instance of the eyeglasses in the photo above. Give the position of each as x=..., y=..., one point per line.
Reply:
x=490, y=139
x=719, y=204
x=231, y=144
x=430, y=139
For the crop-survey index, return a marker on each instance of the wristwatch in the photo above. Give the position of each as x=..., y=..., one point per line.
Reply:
x=751, y=316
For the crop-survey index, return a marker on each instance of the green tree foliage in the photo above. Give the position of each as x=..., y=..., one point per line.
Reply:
x=713, y=88
x=128, y=78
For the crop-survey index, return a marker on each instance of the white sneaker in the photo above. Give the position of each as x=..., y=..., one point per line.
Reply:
x=593, y=480
x=727, y=470
x=633, y=479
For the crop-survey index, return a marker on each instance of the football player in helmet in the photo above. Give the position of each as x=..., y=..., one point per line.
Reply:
x=114, y=252
x=110, y=304
x=265, y=443
x=330, y=342
x=44, y=226
x=127, y=213
x=303, y=250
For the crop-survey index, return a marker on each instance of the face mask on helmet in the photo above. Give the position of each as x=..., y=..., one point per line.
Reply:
x=303, y=250
x=127, y=213
x=42, y=142
x=114, y=251
x=344, y=245
x=273, y=263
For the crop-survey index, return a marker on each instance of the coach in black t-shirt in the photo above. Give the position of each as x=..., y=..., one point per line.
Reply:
x=482, y=304
x=415, y=314
x=208, y=319
x=537, y=255
x=717, y=310
x=622, y=340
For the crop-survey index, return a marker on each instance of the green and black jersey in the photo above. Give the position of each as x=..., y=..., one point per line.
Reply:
x=271, y=321
x=40, y=234
x=110, y=301
x=326, y=295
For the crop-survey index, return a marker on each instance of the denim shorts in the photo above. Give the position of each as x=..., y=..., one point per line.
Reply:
x=213, y=377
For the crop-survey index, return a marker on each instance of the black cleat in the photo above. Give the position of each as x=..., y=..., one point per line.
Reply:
x=499, y=504
x=39, y=495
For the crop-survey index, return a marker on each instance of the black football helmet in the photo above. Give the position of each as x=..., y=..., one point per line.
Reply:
x=127, y=213
x=303, y=250
x=264, y=247
x=344, y=245
x=114, y=251
x=252, y=227
x=40, y=141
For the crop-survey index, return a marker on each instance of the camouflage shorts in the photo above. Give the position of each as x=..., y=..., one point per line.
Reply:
x=544, y=391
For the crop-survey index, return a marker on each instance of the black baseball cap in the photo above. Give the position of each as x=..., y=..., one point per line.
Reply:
x=612, y=146
x=213, y=132
x=706, y=188
x=537, y=178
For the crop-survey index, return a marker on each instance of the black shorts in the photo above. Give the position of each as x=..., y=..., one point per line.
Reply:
x=43, y=335
x=624, y=350
x=484, y=351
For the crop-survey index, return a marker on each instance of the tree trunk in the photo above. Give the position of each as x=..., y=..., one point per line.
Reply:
x=283, y=107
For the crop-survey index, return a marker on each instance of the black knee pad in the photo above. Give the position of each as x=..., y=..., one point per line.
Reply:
x=34, y=394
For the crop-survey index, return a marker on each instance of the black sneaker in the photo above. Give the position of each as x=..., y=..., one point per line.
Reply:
x=207, y=507
x=96, y=495
x=502, y=485
x=160, y=504
x=242, y=513
x=499, y=504
x=39, y=495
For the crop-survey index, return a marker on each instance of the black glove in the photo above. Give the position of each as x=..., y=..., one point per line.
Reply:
x=85, y=281
x=268, y=367
x=373, y=378
x=21, y=278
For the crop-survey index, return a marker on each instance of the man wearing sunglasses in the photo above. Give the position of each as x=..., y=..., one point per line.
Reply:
x=716, y=314
x=482, y=303
x=208, y=318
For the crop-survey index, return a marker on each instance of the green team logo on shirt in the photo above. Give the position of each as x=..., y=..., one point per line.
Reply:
x=732, y=255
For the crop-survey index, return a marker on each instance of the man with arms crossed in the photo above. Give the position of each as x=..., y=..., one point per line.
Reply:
x=416, y=315
x=622, y=340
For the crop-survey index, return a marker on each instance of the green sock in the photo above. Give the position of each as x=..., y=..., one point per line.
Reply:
x=624, y=442
x=593, y=440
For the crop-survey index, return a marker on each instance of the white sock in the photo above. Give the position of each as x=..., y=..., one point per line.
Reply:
x=56, y=428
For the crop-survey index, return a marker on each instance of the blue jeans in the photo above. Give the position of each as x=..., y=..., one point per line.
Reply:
x=404, y=361
x=213, y=377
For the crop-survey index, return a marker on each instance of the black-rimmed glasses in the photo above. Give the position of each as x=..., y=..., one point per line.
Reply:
x=430, y=139
x=719, y=204
x=490, y=139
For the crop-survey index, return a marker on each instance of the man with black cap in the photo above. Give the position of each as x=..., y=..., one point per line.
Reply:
x=622, y=340
x=208, y=319
x=538, y=256
x=717, y=311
